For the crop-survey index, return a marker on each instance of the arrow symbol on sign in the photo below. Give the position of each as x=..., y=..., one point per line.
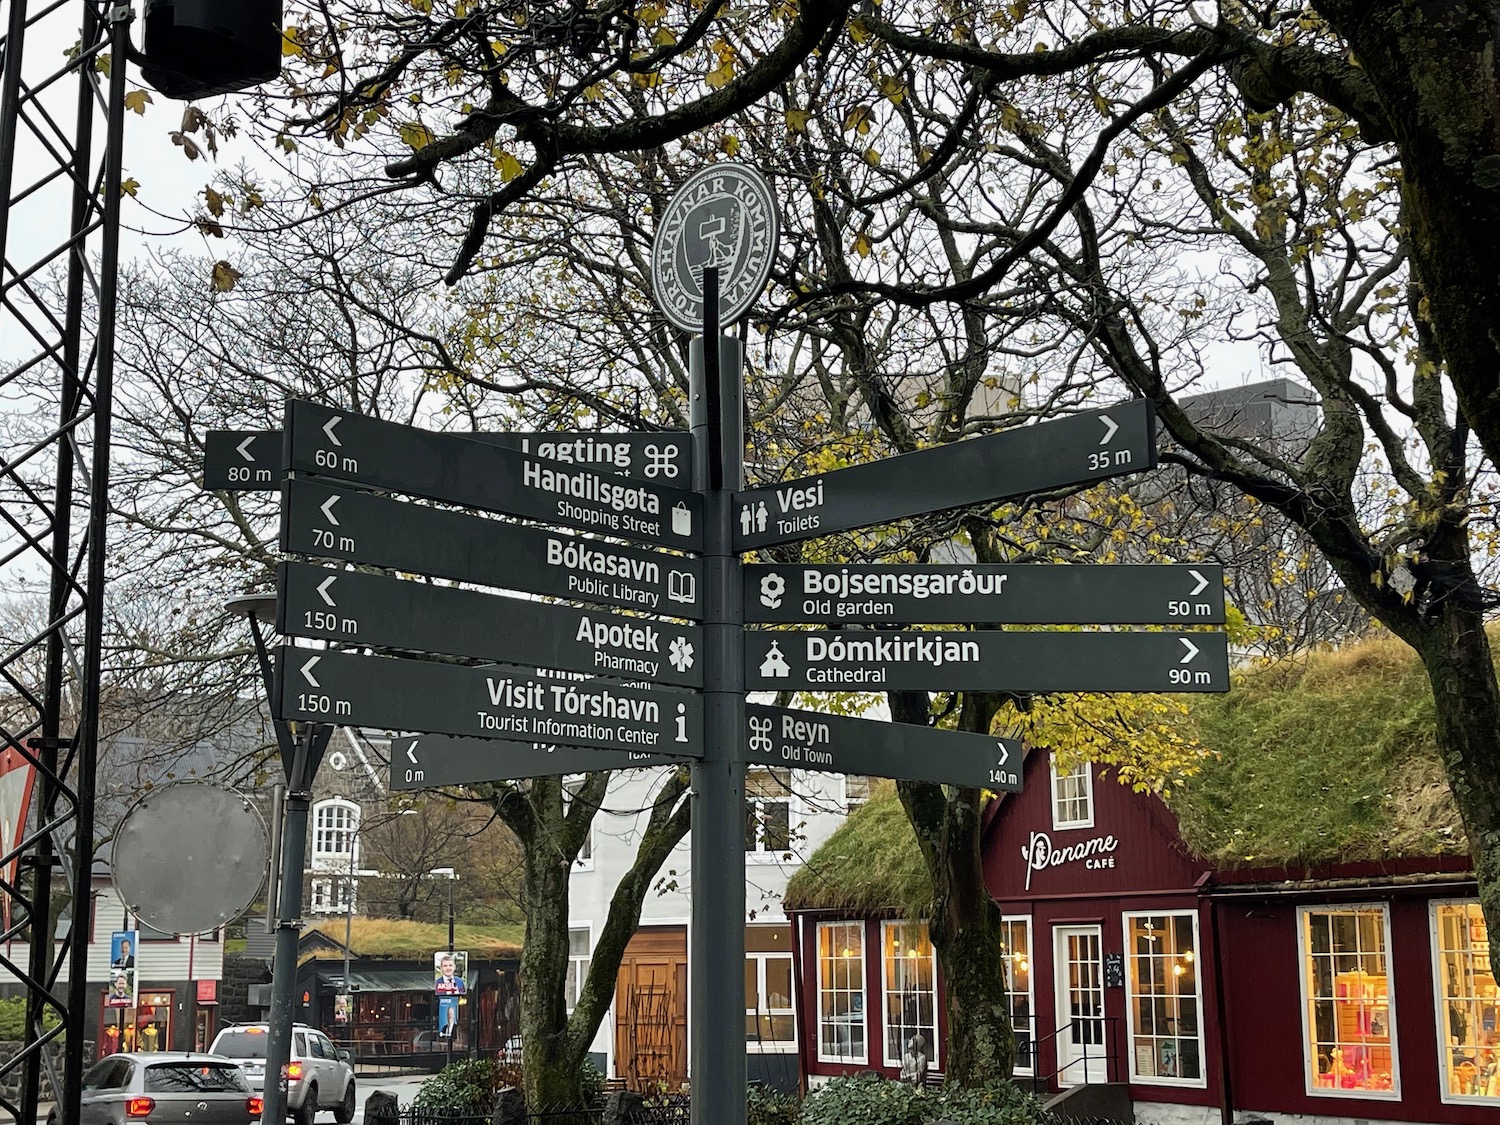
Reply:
x=410, y=752
x=244, y=452
x=1192, y=650
x=1202, y=582
x=323, y=589
x=307, y=671
x=327, y=510
x=328, y=429
x=1004, y=753
x=1111, y=428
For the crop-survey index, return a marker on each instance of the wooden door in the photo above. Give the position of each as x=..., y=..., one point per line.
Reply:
x=651, y=1010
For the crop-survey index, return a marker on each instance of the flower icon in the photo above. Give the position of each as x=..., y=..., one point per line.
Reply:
x=680, y=654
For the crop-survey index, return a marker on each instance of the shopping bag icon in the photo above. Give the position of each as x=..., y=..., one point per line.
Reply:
x=682, y=519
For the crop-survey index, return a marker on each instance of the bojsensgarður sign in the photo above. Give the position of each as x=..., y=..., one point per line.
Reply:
x=329, y=521
x=351, y=605
x=1075, y=450
x=377, y=454
x=1030, y=594
x=985, y=660
x=495, y=701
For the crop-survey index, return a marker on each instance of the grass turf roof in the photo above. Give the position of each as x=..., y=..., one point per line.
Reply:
x=400, y=940
x=1331, y=758
x=1328, y=758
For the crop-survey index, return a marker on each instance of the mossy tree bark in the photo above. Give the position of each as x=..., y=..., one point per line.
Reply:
x=964, y=922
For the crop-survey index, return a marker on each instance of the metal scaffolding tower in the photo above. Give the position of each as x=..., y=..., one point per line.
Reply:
x=62, y=88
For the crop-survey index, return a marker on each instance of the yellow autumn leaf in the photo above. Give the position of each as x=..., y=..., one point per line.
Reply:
x=893, y=88
x=862, y=244
x=130, y=187
x=224, y=277
x=416, y=134
x=796, y=120
x=214, y=201
x=858, y=120
x=730, y=145
x=291, y=41
x=648, y=81
x=720, y=76
x=508, y=167
x=137, y=100
x=857, y=30
x=594, y=93
x=664, y=37
x=872, y=156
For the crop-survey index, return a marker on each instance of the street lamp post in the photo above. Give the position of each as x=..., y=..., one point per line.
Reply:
x=302, y=746
x=452, y=876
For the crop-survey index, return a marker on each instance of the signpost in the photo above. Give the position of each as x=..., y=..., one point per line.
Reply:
x=428, y=760
x=1077, y=450
x=498, y=721
x=250, y=460
x=376, y=454
x=985, y=660
x=495, y=701
x=331, y=522
x=809, y=740
x=1029, y=594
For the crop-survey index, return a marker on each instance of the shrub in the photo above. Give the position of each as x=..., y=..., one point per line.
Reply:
x=869, y=1099
x=591, y=1078
x=467, y=1086
x=768, y=1107
x=13, y=1019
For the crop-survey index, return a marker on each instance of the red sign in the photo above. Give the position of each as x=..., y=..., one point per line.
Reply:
x=208, y=992
x=17, y=775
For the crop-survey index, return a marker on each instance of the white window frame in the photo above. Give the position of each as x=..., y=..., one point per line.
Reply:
x=851, y=803
x=863, y=1058
x=336, y=857
x=578, y=967
x=1303, y=953
x=1439, y=1000
x=1201, y=1082
x=1025, y=921
x=1083, y=770
x=761, y=957
x=585, y=861
x=933, y=1059
x=760, y=854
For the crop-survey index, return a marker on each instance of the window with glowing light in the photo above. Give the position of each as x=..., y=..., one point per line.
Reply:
x=1164, y=1001
x=910, y=972
x=1349, y=1020
x=841, y=992
x=1015, y=943
x=1468, y=1004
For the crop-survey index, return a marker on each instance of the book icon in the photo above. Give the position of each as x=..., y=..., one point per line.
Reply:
x=681, y=587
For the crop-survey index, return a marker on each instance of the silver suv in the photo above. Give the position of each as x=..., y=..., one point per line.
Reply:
x=318, y=1077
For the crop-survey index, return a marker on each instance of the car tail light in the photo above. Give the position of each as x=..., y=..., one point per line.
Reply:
x=294, y=1072
x=256, y=1106
x=140, y=1107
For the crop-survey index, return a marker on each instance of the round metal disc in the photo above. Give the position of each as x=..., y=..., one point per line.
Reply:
x=190, y=856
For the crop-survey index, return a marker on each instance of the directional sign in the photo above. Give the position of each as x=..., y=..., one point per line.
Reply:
x=490, y=701
x=349, y=605
x=242, y=460
x=1030, y=594
x=1076, y=450
x=327, y=521
x=986, y=660
x=250, y=460
x=428, y=760
x=378, y=454
x=778, y=736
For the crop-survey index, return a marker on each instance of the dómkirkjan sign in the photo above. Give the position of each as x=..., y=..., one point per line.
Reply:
x=723, y=216
x=1040, y=853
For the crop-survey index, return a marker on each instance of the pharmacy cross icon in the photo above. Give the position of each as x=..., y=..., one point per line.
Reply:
x=680, y=653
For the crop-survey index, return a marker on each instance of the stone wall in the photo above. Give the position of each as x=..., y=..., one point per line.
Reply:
x=10, y=1082
x=234, y=989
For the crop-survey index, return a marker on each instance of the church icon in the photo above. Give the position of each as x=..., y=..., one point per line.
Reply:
x=775, y=664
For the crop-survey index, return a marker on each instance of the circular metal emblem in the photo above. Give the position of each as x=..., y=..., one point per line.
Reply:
x=723, y=216
x=189, y=857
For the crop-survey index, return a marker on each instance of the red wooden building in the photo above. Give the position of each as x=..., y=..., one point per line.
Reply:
x=1340, y=992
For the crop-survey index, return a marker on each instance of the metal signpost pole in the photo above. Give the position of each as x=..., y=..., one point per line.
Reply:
x=716, y=952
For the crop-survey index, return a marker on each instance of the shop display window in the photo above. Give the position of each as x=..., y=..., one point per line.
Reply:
x=1348, y=1014
x=841, y=992
x=910, y=989
x=1015, y=943
x=1164, y=1001
x=1468, y=1005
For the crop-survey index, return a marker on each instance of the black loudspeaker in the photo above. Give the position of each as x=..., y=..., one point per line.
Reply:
x=194, y=48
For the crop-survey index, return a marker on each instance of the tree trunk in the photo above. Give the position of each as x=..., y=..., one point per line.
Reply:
x=965, y=920
x=550, y=1067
